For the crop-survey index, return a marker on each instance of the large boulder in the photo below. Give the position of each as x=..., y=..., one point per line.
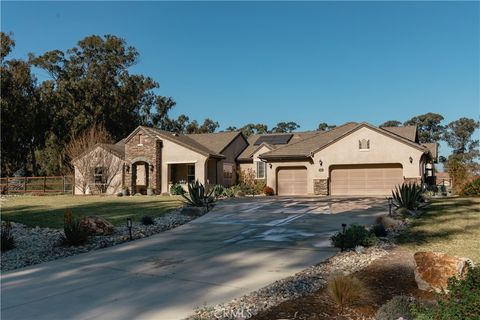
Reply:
x=432, y=270
x=98, y=226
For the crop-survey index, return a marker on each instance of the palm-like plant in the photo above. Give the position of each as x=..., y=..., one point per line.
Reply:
x=407, y=195
x=197, y=195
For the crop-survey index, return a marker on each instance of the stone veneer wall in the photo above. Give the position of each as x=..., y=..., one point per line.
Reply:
x=149, y=151
x=320, y=187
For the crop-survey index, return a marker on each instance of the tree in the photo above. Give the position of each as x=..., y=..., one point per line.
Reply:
x=458, y=135
x=24, y=118
x=391, y=123
x=208, y=126
x=429, y=127
x=323, y=126
x=82, y=144
x=231, y=128
x=285, y=127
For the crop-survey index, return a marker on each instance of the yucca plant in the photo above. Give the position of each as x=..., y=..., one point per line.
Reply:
x=407, y=195
x=197, y=196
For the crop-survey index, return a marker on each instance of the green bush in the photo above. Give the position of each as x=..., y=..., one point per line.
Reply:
x=461, y=302
x=176, y=189
x=7, y=241
x=472, y=188
x=229, y=192
x=197, y=196
x=407, y=195
x=379, y=230
x=355, y=235
x=397, y=307
x=147, y=221
x=218, y=190
x=75, y=233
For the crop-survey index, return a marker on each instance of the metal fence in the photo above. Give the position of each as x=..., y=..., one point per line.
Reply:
x=37, y=185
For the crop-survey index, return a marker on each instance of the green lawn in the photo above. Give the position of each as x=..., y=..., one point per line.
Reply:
x=47, y=211
x=450, y=225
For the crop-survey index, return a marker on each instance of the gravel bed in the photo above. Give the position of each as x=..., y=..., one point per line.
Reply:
x=37, y=245
x=304, y=282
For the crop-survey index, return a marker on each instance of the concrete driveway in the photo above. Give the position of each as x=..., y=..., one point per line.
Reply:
x=240, y=246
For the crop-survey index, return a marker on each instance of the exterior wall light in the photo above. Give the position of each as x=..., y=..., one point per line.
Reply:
x=270, y=165
x=151, y=167
x=127, y=168
x=344, y=226
x=320, y=162
x=410, y=159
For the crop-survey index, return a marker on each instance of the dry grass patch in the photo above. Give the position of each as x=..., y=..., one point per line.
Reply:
x=450, y=225
x=345, y=290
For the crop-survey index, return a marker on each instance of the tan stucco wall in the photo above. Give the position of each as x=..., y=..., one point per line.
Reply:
x=231, y=153
x=115, y=184
x=383, y=149
x=173, y=152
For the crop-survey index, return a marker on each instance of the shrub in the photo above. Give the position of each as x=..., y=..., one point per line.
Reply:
x=218, y=190
x=379, y=230
x=354, y=235
x=407, y=195
x=176, y=189
x=472, y=188
x=147, y=221
x=75, y=233
x=229, y=192
x=344, y=290
x=389, y=223
x=248, y=182
x=462, y=301
x=268, y=191
x=397, y=307
x=197, y=196
x=7, y=241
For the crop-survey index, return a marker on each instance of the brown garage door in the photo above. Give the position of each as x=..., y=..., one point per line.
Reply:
x=365, y=179
x=292, y=181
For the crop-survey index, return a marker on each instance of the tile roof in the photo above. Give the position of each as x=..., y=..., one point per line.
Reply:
x=248, y=152
x=217, y=141
x=408, y=132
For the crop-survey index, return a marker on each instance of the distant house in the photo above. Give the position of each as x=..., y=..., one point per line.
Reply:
x=352, y=159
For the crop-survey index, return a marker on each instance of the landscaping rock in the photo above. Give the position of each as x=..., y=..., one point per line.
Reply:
x=98, y=226
x=432, y=270
x=190, y=211
x=38, y=245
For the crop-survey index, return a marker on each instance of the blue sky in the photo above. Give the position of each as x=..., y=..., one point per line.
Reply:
x=267, y=62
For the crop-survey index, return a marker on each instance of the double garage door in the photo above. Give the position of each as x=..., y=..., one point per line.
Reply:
x=365, y=179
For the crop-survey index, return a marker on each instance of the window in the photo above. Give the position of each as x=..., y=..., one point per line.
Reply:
x=227, y=171
x=99, y=175
x=364, y=144
x=260, y=170
x=140, y=139
x=190, y=172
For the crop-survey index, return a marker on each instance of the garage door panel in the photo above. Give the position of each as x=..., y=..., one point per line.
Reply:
x=365, y=180
x=292, y=181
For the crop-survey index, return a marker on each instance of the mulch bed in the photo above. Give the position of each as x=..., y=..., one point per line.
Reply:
x=386, y=277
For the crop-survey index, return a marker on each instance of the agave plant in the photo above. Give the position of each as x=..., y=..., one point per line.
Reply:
x=407, y=195
x=197, y=196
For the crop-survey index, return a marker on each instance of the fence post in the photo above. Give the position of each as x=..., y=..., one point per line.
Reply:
x=6, y=191
x=63, y=179
x=24, y=185
x=44, y=183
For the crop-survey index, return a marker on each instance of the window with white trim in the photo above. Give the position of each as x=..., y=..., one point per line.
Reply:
x=190, y=172
x=261, y=168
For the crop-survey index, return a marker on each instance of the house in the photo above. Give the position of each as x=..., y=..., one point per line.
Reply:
x=351, y=159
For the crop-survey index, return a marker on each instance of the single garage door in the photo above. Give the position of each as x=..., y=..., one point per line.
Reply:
x=365, y=179
x=292, y=181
